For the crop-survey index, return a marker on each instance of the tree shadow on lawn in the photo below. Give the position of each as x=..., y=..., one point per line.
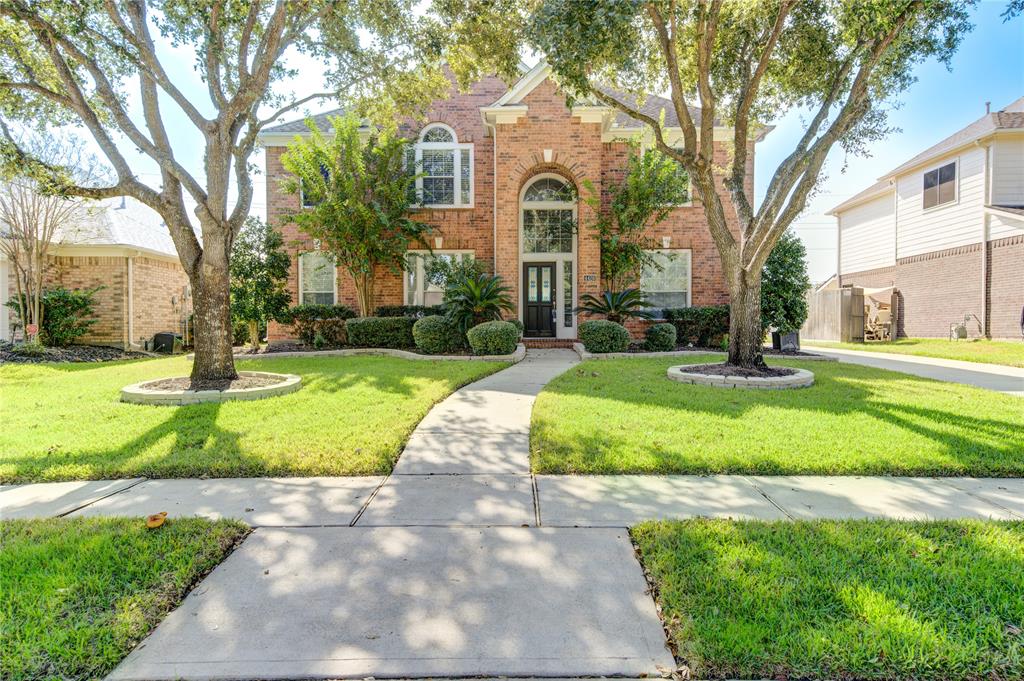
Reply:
x=199, y=443
x=969, y=443
x=847, y=599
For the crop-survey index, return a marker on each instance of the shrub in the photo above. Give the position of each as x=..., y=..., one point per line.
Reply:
x=784, y=286
x=660, y=338
x=410, y=310
x=601, y=335
x=518, y=324
x=702, y=326
x=493, y=338
x=381, y=332
x=472, y=300
x=67, y=314
x=33, y=349
x=326, y=320
x=437, y=335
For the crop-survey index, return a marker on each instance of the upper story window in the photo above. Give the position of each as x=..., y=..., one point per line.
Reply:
x=940, y=185
x=308, y=198
x=445, y=167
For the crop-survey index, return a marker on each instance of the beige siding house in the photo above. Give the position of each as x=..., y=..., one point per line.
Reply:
x=946, y=229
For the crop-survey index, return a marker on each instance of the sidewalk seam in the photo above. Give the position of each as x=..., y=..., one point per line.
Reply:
x=105, y=496
x=979, y=497
x=768, y=498
x=369, y=498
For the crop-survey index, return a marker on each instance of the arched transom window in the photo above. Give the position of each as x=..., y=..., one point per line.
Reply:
x=549, y=216
x=445, y=167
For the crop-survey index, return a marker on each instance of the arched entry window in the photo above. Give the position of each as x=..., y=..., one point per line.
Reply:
x=548, y=248
x=549, y=216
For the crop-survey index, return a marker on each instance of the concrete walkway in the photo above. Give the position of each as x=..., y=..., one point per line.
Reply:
x=1005, y=379
x=460, y=563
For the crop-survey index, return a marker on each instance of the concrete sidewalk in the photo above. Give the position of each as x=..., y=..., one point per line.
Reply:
x=1005, y=379
x=486, y=500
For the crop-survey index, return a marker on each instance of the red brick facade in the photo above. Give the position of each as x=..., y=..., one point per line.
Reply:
x=939, y=288
x=547, y=139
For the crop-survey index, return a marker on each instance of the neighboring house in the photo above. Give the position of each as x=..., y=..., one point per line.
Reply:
x=946, y=228
x=122, y=246
x=504, y=167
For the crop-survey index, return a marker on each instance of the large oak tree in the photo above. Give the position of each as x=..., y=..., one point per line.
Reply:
x=744, y=63
x=102, y=65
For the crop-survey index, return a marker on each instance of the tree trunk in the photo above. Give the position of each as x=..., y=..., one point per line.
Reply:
x=364, y=293
x=254, y=334
x=211, y=303
x=746, y=337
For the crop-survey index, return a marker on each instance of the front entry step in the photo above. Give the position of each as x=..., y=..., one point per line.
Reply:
x=549, y=342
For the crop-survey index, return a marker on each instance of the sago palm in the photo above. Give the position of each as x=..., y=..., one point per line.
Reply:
x=474, y=299
x=616, y=305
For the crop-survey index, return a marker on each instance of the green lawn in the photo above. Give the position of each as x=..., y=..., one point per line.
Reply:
x=1010, y=353
x=841, y=599
x=76, y=595
x=625, y=416
x=352, y=416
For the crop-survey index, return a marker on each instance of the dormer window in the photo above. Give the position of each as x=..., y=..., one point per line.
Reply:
x=445, y=167
x=940, y=185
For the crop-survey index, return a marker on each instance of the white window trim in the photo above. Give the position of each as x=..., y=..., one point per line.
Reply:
x=421, y=276
x=457, y=148
x=561, y=331
x=956, y=185
x=334, y=277
x=689, y=270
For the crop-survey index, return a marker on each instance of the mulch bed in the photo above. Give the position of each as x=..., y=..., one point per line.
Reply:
x=638, y=346
x=185, y=383
x=72, y=353
x=730, y=370
x=299, y=347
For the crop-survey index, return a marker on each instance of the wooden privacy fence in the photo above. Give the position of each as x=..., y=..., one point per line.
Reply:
x=835, y=315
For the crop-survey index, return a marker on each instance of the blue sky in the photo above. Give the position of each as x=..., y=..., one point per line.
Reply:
x=989, y=66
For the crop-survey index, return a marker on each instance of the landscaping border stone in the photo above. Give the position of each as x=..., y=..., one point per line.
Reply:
x=137, y=394
x=515, y=357
x=584, y=355
x=801, y=379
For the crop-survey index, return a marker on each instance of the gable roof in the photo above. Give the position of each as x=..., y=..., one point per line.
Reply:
x=880, y=188
x=119, y=222
x=298, y=126
x=1009, y=118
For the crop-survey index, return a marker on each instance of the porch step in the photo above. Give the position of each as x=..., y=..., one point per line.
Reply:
x=549, y=342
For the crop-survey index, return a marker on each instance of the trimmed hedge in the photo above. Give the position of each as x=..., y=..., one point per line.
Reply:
x=660, y=338
x=437, y=335
x=381, y=332
x=325, y=321
x=601, y=335
x=493, y=338
x=417, y=311
x=518, y=324
x=702, y=326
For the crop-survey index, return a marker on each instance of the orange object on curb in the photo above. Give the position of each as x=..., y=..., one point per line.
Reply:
x=156, y=520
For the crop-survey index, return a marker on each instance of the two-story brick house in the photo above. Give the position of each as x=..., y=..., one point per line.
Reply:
x=506, y=171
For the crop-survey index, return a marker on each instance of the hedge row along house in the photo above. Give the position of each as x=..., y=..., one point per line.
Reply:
x=121, y=248
x=506, y=170
x=946, y=231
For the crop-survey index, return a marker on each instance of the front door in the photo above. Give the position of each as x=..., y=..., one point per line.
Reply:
x=539, y=299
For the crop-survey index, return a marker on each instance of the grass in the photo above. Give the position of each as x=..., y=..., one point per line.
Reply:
x=79, y=594
x=1009, y=353
x=352, y=416
x=840, y=599
x=625, y=416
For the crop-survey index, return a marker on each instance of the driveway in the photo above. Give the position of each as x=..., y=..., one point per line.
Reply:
x=1004, y=379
